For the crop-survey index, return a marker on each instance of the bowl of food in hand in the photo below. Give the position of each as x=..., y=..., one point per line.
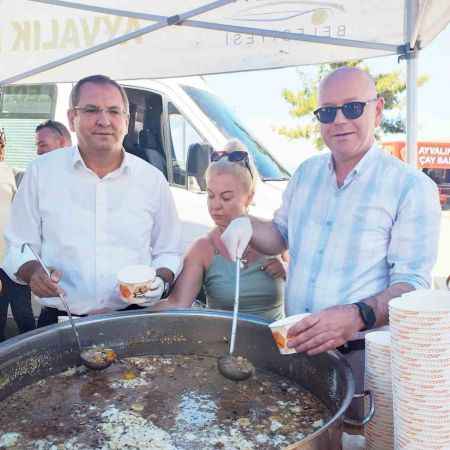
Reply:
x=137, y=283
x=280, y=330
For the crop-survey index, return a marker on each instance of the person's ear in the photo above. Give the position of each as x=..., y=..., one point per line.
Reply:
x=379, y=106
x=249, y=199
x=71, y=119
x=62, y=142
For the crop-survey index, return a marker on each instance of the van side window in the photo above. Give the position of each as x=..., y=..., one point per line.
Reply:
x=182, y=135
x=144, y=138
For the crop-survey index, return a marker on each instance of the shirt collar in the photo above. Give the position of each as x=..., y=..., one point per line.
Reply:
x=366, y=160
x=78, y=162
x=362, y=165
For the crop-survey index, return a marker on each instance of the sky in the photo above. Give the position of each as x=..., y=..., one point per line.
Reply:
x=256, y=98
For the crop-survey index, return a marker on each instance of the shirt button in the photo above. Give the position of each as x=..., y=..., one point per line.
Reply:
x=320, y=251
x=306, y=309
x=329, y=223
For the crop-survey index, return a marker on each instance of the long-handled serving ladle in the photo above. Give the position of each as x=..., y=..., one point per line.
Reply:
x=96, y=358
x=236, y=368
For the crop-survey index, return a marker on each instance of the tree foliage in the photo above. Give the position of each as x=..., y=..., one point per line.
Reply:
x=390, y=86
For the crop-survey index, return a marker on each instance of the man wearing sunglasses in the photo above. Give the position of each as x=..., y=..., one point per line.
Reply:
x=91, y=210
x=361, y=227
x=50, y=135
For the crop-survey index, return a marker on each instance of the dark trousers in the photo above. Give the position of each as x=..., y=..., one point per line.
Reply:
x=49, y=316
x=19, y=297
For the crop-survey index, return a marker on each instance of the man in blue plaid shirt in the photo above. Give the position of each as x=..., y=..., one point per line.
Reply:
x=361, y=226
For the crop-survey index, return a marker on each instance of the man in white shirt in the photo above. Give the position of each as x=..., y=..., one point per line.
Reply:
x=91, y=210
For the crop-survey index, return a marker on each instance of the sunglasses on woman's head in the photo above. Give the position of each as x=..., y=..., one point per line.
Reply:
x=351, y=110
x=234, y=156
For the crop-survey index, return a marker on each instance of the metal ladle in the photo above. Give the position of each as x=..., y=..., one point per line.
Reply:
x=96, y=358
x=236, y=368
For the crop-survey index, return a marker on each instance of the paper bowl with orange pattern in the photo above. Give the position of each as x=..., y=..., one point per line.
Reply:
x=280, y=330
x=135, y=282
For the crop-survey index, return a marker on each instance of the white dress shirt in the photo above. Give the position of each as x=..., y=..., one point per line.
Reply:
x=348, y=243
x=89, y=227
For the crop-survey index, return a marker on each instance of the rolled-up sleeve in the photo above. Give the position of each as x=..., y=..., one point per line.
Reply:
x=414, y=240
x=166, y=233
x=281, y=216
x=24, y=225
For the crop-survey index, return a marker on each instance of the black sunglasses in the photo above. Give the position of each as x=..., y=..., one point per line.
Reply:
x=234, y=156
x=351, y=110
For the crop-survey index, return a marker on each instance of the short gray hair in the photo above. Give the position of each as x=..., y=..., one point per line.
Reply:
x=97, y=79
x=240, y=171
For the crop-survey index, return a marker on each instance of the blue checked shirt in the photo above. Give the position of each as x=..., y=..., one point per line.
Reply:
x=348, y=243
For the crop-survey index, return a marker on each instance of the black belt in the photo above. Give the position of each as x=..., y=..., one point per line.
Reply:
x=59, y=312
x=351, y=346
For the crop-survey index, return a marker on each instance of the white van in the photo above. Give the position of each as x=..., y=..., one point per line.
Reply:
x=173, y=125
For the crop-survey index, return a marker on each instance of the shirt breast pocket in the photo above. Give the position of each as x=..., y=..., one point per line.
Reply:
x=134, y=229
x=65, y=226
x=370, y=233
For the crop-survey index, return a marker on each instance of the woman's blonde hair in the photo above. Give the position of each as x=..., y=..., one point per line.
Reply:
x=238, y=168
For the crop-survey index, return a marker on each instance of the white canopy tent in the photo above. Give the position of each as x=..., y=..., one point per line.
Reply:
x=53, y=40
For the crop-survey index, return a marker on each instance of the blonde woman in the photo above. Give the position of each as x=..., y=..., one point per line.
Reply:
x=231, y=187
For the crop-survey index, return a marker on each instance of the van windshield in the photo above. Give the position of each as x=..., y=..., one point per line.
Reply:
x=232, y=128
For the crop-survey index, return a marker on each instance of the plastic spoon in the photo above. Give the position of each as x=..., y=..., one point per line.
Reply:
x=96, y=358
x=236, y=368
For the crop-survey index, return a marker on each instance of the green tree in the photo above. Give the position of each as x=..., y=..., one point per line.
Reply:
x=303, y=102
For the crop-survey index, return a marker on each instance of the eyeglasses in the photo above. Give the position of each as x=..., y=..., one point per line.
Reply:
x=351, y=110
x=94, y=111
x=234, y=156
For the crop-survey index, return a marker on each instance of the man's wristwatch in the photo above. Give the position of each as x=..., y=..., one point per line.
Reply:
x=367, y=315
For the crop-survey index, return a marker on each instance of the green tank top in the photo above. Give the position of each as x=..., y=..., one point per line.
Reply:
x=259, y=293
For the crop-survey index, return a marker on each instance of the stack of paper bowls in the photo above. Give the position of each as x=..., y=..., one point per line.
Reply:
x=420, y=366
x=379, y=431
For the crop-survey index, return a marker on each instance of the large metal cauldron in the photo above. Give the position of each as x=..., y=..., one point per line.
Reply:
x=33, y=356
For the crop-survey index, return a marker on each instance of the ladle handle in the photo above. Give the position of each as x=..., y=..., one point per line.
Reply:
x=72, y=323
x=61, y=296
x=236, y=306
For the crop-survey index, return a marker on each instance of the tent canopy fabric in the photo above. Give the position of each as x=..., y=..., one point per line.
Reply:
x=52, y=40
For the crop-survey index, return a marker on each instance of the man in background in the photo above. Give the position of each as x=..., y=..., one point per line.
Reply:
x=51, y=135
x=11, y=293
